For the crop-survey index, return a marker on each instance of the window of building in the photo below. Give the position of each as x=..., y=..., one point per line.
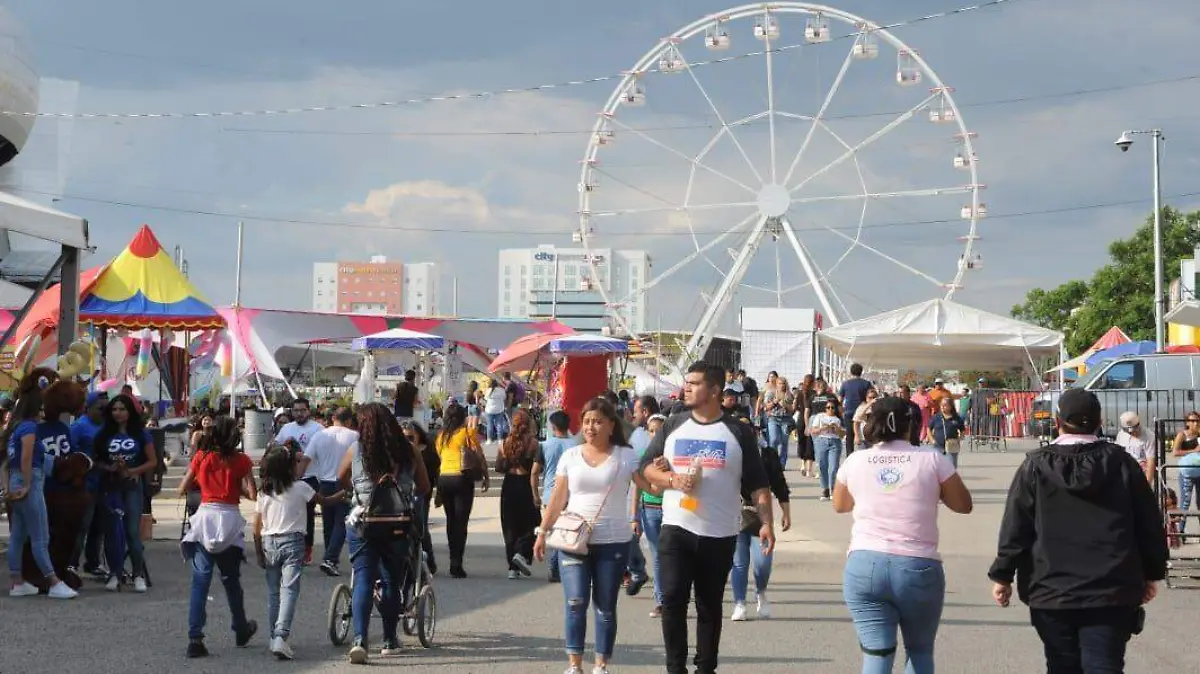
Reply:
x=507, y=283
x=507, y=270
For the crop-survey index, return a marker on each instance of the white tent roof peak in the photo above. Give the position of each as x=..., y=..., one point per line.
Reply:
x=944, y=335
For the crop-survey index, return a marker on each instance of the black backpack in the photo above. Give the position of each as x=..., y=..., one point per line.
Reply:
x=388, y=513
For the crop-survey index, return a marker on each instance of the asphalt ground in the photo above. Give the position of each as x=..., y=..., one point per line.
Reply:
x=490, y=624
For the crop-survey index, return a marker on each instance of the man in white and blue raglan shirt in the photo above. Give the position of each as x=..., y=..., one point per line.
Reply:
x=701, y=518
x=301, y=430
x=546, y=465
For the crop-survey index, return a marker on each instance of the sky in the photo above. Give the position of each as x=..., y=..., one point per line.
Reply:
x=453, y=182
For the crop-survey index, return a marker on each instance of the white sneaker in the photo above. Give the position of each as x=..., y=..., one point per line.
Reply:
x=61, y=591
x=522, y=565
x=600, y=669
x=281, y=649
x=513, y=575
x=574, y=670
x=764, y=606
x=739, y=612
x=23, y=590
x=139, y=584
x=113, y=584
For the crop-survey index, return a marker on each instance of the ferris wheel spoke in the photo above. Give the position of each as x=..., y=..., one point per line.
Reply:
x=885, y=130
x=720, y=118
x=857, y=242
x=816, y=120
x=771, y=105
x=694, y=162
x=672, y=209
x=691, y=257
x=932, y=192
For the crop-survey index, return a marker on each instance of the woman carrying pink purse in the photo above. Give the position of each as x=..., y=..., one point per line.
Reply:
x=590, y=520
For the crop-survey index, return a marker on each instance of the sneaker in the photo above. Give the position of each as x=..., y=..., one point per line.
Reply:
x=458, y=572
x=600, y=669
x=23, y=590
x=62, y=591
x=513, y=575
x=635, y=585
x=358, y=653
x=824, y=494
x=739, y=612
x=95, y=572
x=330, y=569
x=113, y=584
x=196, y=649
x=281, y=649
x=391, y=647
x=573, y=670
x=242, y=638
x=764, y=606
x=522, y=565
x=139, y=584
x=656, y=612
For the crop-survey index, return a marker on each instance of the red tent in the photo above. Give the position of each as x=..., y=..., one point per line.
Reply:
x=1115, y=336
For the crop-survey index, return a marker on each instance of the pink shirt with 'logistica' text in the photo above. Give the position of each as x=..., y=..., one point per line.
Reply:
x=896, y=489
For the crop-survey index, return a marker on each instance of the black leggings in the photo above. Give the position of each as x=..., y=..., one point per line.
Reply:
x=458, y=496
x=310, y=533
x=518, y=518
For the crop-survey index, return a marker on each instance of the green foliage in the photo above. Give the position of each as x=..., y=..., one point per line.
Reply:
x=1120, y=293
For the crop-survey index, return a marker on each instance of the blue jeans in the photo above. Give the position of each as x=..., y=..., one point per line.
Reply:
x=637, y=560
x=596, y=577
x=652, y=527
x=829, y=454
x=496, y=426
x=229, y=563
x=333, y=523
x=553, y=556
x=285, y=561
x=29, y=522
x=777, y=437
x=884, y=592
x=749, y=552
x=1189, y=482
x=131, y=503
x=377, y=559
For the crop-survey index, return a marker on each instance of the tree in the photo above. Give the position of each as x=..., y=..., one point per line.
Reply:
x=1120, y=293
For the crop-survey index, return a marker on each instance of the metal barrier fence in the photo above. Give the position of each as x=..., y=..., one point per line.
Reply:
x=1172, y=481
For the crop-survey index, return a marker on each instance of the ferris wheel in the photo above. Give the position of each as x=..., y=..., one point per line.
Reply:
x=772, y=174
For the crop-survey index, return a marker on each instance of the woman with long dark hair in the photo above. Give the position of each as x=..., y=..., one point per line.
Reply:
x=594, y=482
x=216, y=538
x=381, y=451
x=518, y=509
x=805, y=450
x=419, y=438
x=198, y=429
x=125, y=448
x=456, y=483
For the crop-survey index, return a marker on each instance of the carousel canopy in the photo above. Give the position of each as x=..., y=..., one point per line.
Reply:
x=398, y=338
x=142, y=288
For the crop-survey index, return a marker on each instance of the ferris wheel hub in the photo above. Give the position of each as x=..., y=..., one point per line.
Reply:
x=773, y=201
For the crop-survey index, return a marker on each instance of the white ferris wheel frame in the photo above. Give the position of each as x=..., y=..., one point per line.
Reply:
x=773, y=199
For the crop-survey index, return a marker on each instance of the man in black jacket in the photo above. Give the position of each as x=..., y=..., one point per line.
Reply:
x=1084, y=538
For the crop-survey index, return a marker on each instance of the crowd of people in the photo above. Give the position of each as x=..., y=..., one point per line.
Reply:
x=698, y=475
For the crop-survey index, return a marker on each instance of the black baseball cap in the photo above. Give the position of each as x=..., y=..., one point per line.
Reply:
x=1079, y=409
x=730, y=393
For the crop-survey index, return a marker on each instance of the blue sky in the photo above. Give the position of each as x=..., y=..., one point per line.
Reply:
x=384, y=168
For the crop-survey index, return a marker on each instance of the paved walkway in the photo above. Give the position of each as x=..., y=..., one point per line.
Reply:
x=491, y=624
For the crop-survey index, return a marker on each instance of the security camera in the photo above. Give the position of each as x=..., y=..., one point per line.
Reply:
x=1124, y=142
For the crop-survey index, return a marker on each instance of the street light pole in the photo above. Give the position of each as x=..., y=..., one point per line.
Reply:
x=1124, y=143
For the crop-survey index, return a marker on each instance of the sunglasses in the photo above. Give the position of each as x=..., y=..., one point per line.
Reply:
x=1193, y=421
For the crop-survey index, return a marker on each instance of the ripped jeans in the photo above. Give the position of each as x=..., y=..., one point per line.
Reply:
x=595, y=578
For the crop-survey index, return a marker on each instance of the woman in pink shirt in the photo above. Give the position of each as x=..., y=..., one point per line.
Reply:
x=894, y=576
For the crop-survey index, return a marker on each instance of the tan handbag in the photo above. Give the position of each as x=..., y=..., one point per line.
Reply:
x=571, y=532
x=146, y=528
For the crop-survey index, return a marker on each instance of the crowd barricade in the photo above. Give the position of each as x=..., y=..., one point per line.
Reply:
x=1182, y=526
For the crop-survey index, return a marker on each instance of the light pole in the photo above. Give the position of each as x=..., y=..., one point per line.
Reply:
x=1124, y=142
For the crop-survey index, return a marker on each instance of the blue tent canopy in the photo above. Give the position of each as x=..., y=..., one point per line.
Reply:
x=399, y=339
x=588, y=344
x=1120, y=351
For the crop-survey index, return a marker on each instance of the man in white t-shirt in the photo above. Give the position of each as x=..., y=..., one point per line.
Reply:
x=324, y=454
x=1138, y=442
x=301, y=430
x=702, y=513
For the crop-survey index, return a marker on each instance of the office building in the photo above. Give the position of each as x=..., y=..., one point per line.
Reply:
x=378, y=287
x=536, y=282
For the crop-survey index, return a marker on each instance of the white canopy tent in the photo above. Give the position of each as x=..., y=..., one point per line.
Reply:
x=942, y=335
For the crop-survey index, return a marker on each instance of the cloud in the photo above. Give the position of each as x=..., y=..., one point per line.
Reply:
x=424, y=201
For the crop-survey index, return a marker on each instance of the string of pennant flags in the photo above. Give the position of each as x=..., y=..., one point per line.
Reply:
x=466, y=96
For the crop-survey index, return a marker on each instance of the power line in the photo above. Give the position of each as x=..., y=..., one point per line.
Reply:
x=467, y=96
x=251, y=218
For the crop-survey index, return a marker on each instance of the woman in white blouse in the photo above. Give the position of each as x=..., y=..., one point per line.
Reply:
x=594, y=482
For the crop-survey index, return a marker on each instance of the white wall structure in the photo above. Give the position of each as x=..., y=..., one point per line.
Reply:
x=325, y=287
x=523, y=271
x=783, y=340
x=421, y=289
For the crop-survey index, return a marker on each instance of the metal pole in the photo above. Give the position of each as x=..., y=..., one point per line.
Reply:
x=1159, y=299
x=237, y=301
x=454, y=296
x=554, y=291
